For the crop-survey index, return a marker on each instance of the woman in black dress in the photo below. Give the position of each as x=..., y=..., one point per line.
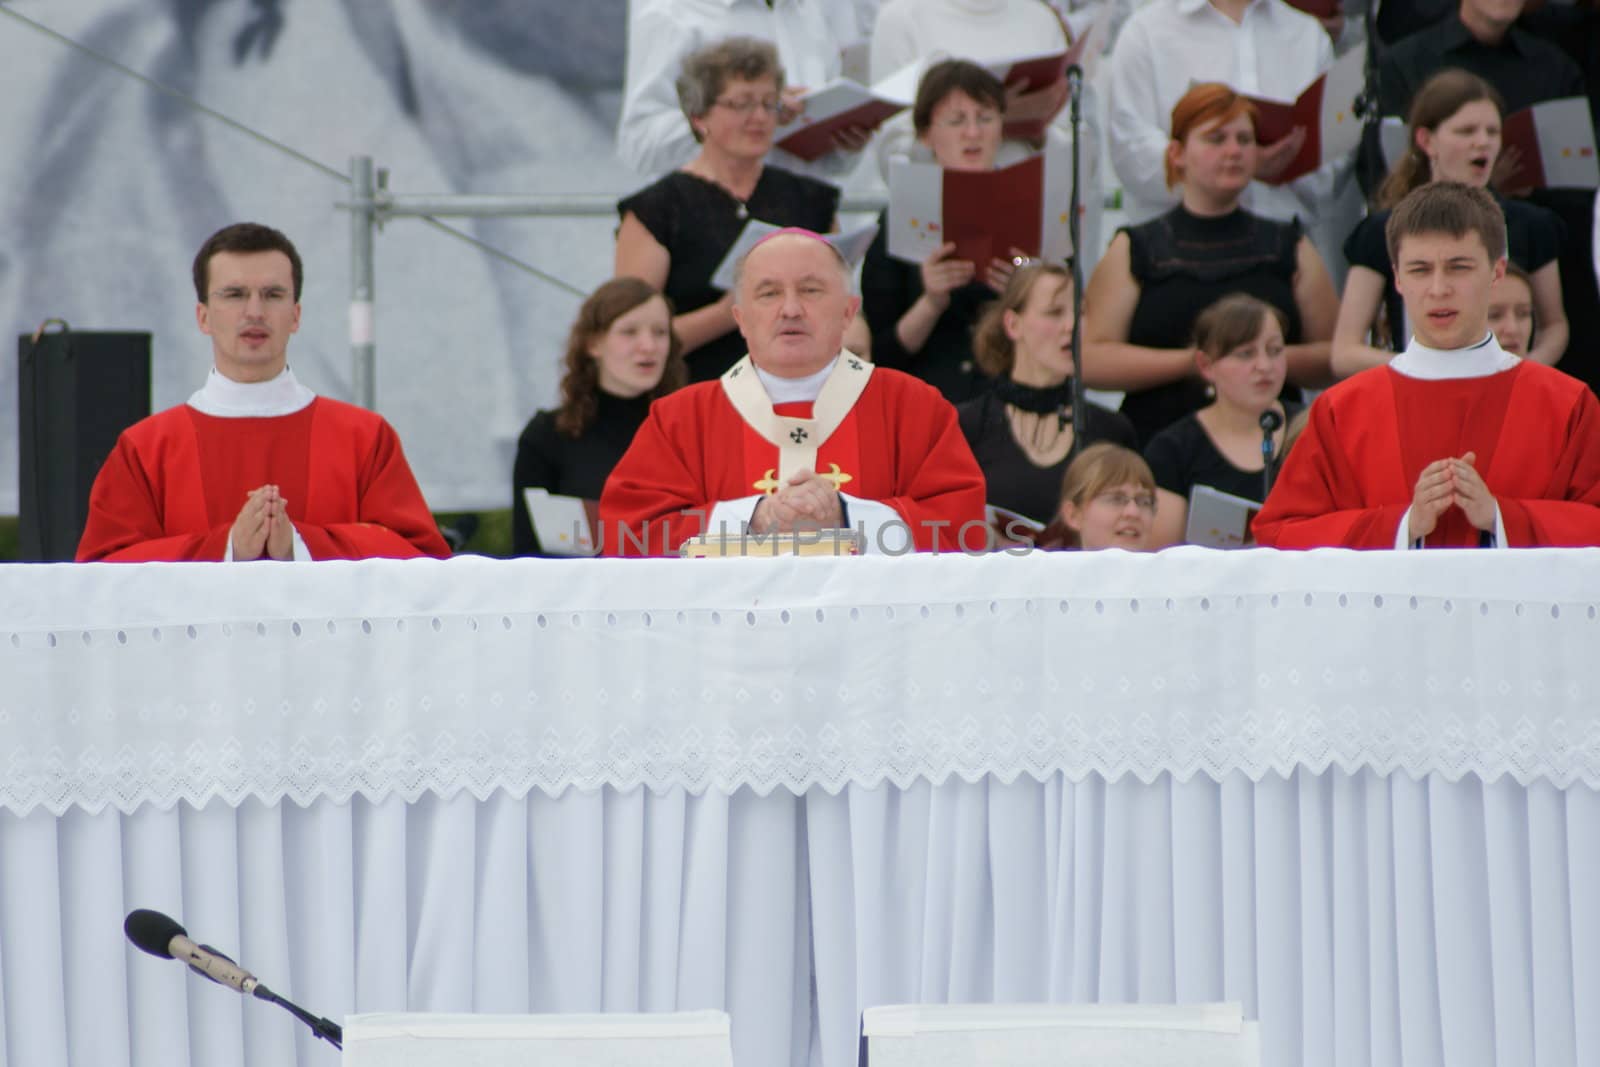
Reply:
x=621, y=355
x=1021, y=430
x=922, y=314
x=676, y=232
x=1239, y=351
x=1141, y=303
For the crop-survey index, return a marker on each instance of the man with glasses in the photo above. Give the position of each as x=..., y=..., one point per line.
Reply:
x=255, y=465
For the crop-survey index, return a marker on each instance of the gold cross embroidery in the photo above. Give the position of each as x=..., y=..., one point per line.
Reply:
x=838, y=477
x=769, y=483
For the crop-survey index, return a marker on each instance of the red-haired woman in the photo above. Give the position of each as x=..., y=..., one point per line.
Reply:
x=1156, y=278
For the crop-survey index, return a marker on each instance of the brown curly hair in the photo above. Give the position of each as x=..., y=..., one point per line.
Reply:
x=580, y=381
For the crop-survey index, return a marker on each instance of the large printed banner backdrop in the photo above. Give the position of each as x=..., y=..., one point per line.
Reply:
x=107, y=187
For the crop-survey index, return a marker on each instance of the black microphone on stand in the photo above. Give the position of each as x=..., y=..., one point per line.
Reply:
x=161, y=935
x=1271, y=422
x=1074, y=209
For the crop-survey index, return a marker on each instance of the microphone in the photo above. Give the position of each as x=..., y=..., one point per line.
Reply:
x=1271, y=422
x=161, y=935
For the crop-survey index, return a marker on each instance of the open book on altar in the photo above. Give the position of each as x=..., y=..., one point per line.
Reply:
x=828, y=542
x=565, y=525
x=852, y=245
x=1326, y=109
x=986, y=213
x=840, y=105
x=1555, y=145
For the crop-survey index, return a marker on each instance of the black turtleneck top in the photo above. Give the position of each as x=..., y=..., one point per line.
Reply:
x=549, y=459
x=1184, y=263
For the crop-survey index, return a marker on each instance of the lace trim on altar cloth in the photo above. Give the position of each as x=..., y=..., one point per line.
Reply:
x=797, y=697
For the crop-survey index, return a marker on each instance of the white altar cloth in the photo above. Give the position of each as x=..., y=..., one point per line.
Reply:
x=1356, y=794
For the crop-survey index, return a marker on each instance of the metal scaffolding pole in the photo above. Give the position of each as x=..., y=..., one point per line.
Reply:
x=547, y=205
x=371, y=205
x=363, y=346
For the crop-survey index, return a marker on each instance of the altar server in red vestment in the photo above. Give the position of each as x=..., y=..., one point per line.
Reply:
x=255, y=465
x=1456, y=442
x=799, y=434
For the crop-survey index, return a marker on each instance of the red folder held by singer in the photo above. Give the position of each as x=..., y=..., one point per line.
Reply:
x=1325, y=109
x=839, y=106
x=1555, y=145
x=985, y=214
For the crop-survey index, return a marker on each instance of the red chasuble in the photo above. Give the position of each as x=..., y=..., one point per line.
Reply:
x=899, y=444
x=1353, y=472
x=174, y=484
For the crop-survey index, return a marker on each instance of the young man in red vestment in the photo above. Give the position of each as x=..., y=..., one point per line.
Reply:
x=798, y=435
x=1456, y=442
x=255, y=465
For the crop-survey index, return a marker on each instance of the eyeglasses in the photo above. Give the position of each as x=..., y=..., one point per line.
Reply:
x=238, y=295
x=1119, y=500
x=746, y=104
x=983, y=119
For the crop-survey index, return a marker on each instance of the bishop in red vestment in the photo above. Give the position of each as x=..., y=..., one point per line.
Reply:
x=798, y=435
x=1455, y=443
x=255, y=465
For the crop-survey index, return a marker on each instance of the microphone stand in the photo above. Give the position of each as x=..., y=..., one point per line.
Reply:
x=1370, y=165
x=1074, y=230
x=326, y=1029
x=1270, y=421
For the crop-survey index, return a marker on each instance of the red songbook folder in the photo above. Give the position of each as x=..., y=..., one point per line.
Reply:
x=985, y=214
x=1033, y=73
x=988, y=213
x=1325, y=109
x=838, y=106
x=1555, y=145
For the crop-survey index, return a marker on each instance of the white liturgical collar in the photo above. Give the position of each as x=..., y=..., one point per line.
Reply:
x=795, y=390
x=225, y=398
x=1434, y=364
